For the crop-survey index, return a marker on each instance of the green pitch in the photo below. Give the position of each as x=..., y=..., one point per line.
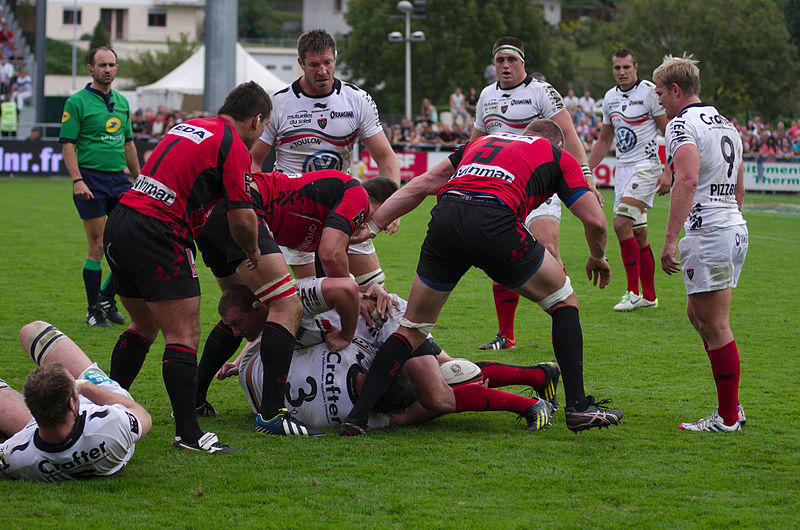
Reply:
x=475, y=469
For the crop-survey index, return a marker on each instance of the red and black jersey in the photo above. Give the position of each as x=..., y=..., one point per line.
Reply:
x=196, y=163
x=298, y=206
x=521, y=171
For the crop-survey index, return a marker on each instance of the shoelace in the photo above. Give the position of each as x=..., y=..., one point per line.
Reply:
x=602, y=403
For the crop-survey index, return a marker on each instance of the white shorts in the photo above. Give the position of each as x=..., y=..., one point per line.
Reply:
x=300, y=257
x=712, y=261
x=296, y=257
x=550, y=209
x=639, y=181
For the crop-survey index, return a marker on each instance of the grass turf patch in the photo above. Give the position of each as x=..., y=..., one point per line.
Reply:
x=481, y=468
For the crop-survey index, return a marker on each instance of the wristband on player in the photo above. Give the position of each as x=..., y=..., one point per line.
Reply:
x=373, y=228
x=587, y=172
x=597, y=259
x=79, y=383
x=76, y=180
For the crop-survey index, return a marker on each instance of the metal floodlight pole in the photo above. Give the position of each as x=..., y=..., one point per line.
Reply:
x=407, y=7
x=40, y=50
x=74, y=42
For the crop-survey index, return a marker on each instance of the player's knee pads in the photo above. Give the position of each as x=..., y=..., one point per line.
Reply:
x=277, y=289
x=45, y=337
x=559, y=295
x=633, y=213
x=375, y=276
x=422, y=327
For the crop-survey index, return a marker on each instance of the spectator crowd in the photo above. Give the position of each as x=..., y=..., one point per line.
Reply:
x=435, y=130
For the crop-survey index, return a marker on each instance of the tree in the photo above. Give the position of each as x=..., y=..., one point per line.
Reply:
x=270, y=19
x=747, y=61
x=149, y=67
x=791, y=10
x=100, y=36
x=456, y=50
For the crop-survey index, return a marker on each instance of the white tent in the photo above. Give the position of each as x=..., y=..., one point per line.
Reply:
x=188, y=79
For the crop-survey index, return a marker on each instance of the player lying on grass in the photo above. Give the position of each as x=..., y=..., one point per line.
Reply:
x=317, y=295
x=323, y=385
x=71, y=421
x=313, y=212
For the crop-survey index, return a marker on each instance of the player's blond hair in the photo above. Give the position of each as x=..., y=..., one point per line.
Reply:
x=682, y=71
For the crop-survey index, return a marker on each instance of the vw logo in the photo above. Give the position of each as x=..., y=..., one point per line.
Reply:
x=322, y=160
x=626, y=139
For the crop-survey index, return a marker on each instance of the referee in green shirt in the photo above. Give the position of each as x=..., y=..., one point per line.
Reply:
x=97, y=144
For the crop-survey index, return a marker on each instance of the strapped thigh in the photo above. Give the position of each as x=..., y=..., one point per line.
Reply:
x=277, y=289
x=632, y=212
x=423, y=327
x=42, y=344
x=559, y=295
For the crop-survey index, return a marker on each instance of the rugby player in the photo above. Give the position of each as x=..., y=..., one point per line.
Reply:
x=509, y=105
x=632, y=119
x=705, y=152
x=316, y=123
x=314, y=212
x=485, y=190
x=323, y=385
x=149, y=242
x=72, y=421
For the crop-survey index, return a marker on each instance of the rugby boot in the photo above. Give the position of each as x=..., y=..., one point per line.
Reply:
x=109, y=308
x=283, y=425
x=95, y=317
x=548, y=390
x=594, y=414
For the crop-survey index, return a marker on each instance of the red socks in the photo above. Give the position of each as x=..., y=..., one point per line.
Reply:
x=479, y=398
x=506, y=374
x=647, y=270
x=630, y=258
x=726, y=369
x=505, y=303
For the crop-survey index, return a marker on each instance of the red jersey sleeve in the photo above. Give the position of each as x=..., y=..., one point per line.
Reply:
x=235, y=172
x=351, y=211
x=574, y=183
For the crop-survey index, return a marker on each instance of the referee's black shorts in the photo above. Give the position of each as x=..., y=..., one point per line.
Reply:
x=466, y=232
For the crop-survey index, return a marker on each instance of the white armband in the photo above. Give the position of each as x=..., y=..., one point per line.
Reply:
x=373, y=228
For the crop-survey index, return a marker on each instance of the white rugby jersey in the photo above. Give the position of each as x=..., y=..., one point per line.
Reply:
x=632, y=113
x=310, y=133
x=720, y=147
x=101, y=443
x=511, y=110
x=321, y=384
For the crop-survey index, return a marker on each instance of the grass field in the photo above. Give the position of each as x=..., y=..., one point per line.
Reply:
x=468, y=470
